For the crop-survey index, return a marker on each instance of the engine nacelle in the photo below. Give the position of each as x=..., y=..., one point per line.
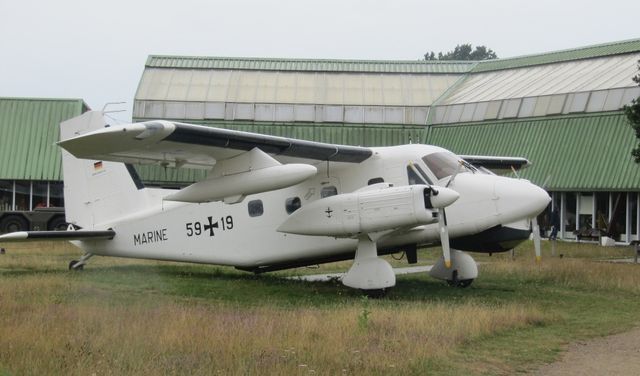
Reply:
x=363, y=211
x=244, y=183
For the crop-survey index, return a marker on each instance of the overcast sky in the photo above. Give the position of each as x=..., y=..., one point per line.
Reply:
x=96, y=50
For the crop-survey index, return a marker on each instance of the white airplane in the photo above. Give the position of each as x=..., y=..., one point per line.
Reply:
x=271, y=203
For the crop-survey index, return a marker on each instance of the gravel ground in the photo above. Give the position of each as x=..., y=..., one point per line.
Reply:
x=613, y=355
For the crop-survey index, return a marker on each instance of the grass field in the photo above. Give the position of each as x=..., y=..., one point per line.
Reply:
x=142, y=317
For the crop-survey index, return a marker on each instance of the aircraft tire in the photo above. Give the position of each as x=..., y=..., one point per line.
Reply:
x=375, y=294
x=72, y=265
x=462, y=283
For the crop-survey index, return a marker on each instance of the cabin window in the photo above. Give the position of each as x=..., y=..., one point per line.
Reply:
x=328, y=191
x=292, y=204
x=375, y=181
x=255, y=208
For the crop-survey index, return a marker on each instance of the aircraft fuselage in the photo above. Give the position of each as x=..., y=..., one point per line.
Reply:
x=245, y=235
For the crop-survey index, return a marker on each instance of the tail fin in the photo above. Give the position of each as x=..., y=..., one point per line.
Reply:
x=96, y=192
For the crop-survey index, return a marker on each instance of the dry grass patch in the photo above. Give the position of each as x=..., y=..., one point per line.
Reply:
x=76, y=330
x=575, y=273
x=144, y=317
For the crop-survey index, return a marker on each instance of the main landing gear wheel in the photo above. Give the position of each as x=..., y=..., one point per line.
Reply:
x=375, y=294
x=460, y=283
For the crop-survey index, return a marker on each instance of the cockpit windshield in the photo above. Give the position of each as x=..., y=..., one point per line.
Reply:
x=444, y=164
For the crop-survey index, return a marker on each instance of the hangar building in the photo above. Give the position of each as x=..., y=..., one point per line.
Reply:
x=561, y=110
x=31, y=168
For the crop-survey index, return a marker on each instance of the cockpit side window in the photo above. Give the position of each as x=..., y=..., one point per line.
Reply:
x=423, y=174
x=444, y=164
x=413, y=176
x=416, y=175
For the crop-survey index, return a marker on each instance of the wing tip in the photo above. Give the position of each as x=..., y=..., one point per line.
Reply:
x=19, y=236
x=14, y=236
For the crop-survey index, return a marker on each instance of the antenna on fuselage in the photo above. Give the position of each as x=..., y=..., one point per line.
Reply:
x=106, y=113
x=104, y=108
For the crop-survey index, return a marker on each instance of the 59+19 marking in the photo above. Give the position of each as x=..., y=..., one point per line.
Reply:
x=197, y=228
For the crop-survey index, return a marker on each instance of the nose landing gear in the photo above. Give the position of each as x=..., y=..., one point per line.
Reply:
x=456, y=282
x=462, y=272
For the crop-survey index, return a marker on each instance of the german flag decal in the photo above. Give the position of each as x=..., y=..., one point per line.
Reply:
x=97, y=166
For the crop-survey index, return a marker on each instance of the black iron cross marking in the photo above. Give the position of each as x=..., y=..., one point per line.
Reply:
x=211, y=226
x=328, y=211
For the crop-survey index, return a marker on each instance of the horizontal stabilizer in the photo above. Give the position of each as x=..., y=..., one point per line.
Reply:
x=23, y=236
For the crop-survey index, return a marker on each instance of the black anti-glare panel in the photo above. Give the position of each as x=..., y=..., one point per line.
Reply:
x=496, y=163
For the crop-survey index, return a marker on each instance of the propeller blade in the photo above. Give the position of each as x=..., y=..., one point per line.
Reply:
x=535, y=229
x=444, y=237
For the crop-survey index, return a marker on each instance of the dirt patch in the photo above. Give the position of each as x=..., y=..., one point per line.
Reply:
x=613, y=355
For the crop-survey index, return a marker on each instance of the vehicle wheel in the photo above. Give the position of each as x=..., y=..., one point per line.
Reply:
x=72, y=265
x=13, y=223
x=57, y=224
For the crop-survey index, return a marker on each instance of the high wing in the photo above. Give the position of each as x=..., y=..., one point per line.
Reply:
x=173, y=144
x=497, y=163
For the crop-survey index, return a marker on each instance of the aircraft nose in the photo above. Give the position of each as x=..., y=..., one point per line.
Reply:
x=520, y=198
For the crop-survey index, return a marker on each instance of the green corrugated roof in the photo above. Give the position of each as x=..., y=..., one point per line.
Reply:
x=579, y=153
x=311, y=65
x=391, y=66
x=29, y=128
x=615, y=48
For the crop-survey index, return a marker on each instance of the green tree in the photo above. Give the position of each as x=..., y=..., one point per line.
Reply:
x=633, y=115
x=463, y=52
